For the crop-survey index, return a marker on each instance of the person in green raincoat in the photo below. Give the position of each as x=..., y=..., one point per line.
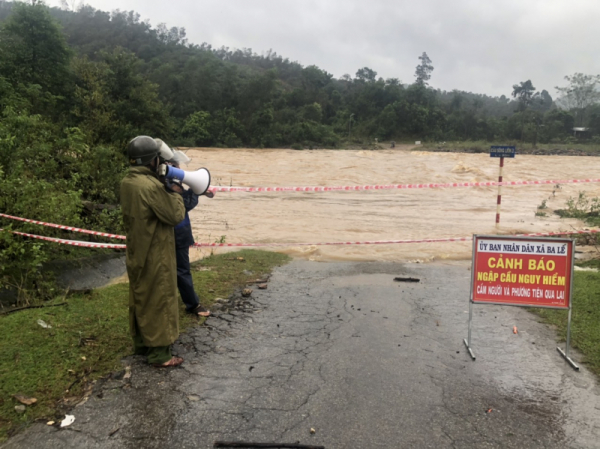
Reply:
x=150, y=213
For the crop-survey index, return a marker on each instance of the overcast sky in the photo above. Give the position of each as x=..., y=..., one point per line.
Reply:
x=482, y=46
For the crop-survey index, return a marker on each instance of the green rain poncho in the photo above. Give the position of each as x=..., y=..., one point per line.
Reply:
x=149, y=215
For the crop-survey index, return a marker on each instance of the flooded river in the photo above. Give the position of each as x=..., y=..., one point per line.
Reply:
x=378, y=215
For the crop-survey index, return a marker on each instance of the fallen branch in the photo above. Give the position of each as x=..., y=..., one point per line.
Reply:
x=6, y=312
x=73, y=383
x=400, y=279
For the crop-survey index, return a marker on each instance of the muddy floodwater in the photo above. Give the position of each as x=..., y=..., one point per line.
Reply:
x=312, y=217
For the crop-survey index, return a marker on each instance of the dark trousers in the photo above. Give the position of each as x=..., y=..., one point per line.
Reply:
x=184, y=279
x=158, y=354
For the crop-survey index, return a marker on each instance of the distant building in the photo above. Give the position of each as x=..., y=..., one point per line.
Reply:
x=581, y=132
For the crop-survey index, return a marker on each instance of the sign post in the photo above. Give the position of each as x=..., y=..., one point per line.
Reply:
x=522, y=271
x=501, y=152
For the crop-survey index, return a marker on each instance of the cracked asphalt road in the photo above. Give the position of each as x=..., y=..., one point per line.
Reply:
x=365, y=361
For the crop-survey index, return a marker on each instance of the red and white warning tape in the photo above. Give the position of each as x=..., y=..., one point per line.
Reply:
x=322, y=189
x=63, y=227
x=305, y=189
x=547, y=234
x=366, y=242
x=399, y=186
x=381, y=242
x=70, y=242
x=266, y=245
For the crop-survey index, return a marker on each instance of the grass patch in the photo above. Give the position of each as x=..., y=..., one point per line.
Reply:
x=582, y=207
x=90, y=335
x=585, y=317
x=592, y=263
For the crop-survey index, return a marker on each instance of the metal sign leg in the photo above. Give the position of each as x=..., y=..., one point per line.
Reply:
x=565, y=353
x=468, y=343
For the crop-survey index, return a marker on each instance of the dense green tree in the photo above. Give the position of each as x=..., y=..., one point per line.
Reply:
x=423, y=70
x=193, y=78
x=558, y=126
x=525, y=93
x=113, y=102
x=545, y=102
x=34, y=52
x=260, y=129
x=314, y=80
x=388, y=122
x=366, y=75
x=197, y=129
x=33, y=49
x=579, y=95
x=249, y=86
x=313, y=112
x=226, y=129
x=242, y=90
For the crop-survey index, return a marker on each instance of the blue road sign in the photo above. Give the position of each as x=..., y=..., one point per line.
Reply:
x=500, y=151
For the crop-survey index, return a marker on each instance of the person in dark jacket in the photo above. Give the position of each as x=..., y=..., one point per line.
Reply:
x=183, y=240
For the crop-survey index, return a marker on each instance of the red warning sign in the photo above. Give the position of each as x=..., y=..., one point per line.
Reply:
x=524, y=271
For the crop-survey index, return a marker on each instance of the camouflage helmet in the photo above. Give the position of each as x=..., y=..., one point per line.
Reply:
x=142, y=150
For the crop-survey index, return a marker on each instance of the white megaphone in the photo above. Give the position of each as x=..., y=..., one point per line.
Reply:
x=198, y=181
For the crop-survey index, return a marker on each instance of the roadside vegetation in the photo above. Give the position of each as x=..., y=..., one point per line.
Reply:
x=582, y=207
x=575, y=148
x=53, y=354
x=585, y=316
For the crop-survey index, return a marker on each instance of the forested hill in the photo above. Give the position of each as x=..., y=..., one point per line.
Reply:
x=237, y=97
x=75, y=87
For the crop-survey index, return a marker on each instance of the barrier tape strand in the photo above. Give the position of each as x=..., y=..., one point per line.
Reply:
x=398, y=186
x=385, y=242
x=301, y=189
x=265, y=245
x=321, y=189
x=63, y=227
x=70, y=242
